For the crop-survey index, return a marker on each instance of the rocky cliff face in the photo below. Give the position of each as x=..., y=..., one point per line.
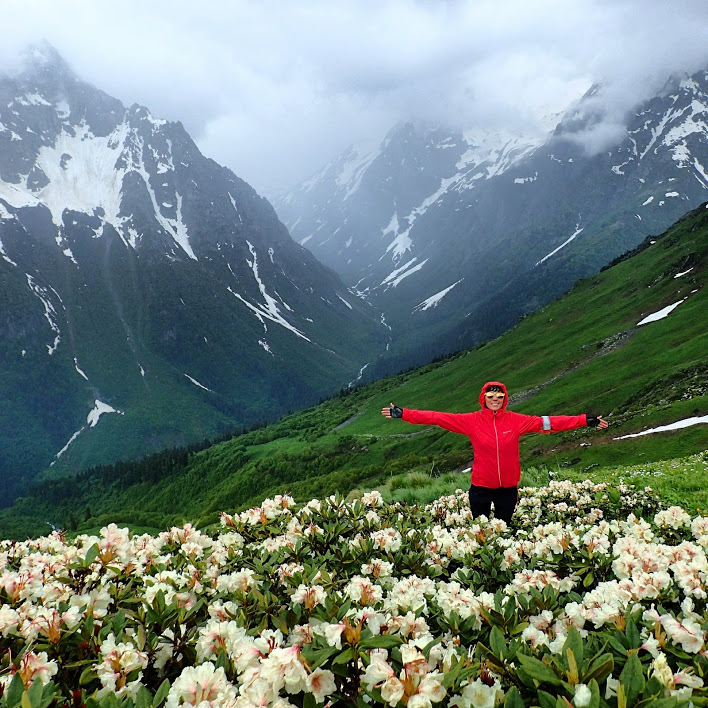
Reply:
x=149, y=296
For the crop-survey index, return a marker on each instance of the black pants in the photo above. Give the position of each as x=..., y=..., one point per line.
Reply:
x=504, y=498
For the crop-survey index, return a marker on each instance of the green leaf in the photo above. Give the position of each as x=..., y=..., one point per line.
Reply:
x=34, y=693
x=619, y=643
x=143, y=699
x=589, y=579
x=519, y=628
x=161, y=694
x=573, y=673
x=450, y=677
x=344, y=657
x=281, y=624
x=497, y=642
x=50, y=695
x=600, y=668
x=538, y=671
x=110, y=700
x=664, y=703
x=546, y=700
x=653, y=687
x=118, y=623
x=14, y=692
x=222, y=661
x=87, y=675
x=632, y=679
x=308, y=701
x=383, y=641
x=513, y=699
x=77, y=664
x=91, y=554
x=317, y=657
x=574, y=642
x=594, y=694
x=632, y=634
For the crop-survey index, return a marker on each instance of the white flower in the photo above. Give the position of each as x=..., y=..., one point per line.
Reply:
x=332, y=633
x=363, y=591
x=241, y=580
x=202, y=686
x=430, y=688
x=687, y=633
x=582, y=696
x=372, y=499
x=661, y=670
x=392, y=690
x=674, y=517
x=35, y=667
x=320, y=683
x=477, y=695
x=309, y=596
x=119, y=660
x=376, y=672
x=651, y=644
x=282, y=669
x=9, y=620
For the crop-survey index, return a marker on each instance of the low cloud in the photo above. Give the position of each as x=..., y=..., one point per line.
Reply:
x=273, y=90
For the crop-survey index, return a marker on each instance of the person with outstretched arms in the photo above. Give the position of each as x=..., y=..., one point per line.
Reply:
x=494, y=433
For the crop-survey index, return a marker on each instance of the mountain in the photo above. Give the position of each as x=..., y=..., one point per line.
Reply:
x=575, y=355
x=148, y=296
x=455, y=236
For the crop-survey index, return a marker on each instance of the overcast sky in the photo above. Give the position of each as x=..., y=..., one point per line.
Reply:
x=275, y=89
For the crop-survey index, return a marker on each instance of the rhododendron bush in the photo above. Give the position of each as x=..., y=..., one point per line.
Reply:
x=593, y=596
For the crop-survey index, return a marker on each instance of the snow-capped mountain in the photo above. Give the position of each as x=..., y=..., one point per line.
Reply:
x=456, y=235
x=358, y=213
x=148, y=296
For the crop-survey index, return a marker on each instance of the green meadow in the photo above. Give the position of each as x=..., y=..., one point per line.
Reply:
x=584, y=353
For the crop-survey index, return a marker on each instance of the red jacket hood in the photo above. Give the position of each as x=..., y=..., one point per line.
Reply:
x=484, y=390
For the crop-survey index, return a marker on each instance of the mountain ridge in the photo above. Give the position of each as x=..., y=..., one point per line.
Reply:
x=153, y=296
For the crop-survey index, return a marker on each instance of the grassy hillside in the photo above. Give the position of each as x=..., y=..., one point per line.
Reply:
x=582, y=353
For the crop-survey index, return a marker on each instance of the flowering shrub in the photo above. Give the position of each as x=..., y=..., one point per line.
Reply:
x=592, y=596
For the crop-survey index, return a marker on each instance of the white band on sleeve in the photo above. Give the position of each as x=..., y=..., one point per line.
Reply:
x=546, y=422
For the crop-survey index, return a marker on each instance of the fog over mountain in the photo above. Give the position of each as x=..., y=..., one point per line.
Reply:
x=455, y=235
x=274, y=90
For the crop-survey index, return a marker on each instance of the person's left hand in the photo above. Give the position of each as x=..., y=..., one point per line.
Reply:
x=597, y=422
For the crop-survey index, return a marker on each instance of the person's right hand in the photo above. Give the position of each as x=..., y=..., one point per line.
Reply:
x=392, y=412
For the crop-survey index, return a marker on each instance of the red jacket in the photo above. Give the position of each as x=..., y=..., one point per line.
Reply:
x=495, y=436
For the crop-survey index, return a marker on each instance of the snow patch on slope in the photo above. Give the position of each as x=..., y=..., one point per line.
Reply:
x=50, y=312
x=99, y=408
x=85, y=172
x=577, y=232
x=269, y=310
x=352, y=172
x=82, y=173
x=685, y=423
x=196, y=383
x=408, y=268
x=434, y=300
x=660, y=314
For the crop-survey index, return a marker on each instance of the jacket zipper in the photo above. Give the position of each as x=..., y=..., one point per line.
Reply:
x=497, y=437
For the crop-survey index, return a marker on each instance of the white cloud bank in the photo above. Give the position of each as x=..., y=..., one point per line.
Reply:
x=274, y=89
